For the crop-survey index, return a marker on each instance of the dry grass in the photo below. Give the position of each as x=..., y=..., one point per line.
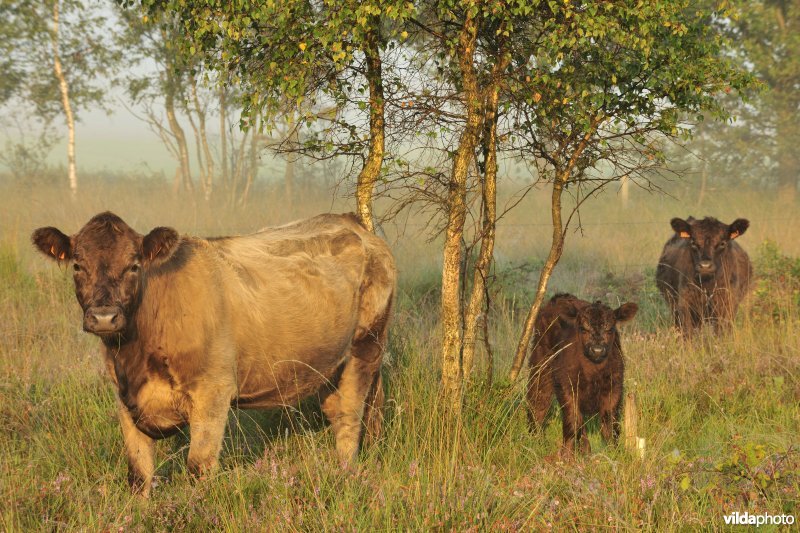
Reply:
x=721, y=416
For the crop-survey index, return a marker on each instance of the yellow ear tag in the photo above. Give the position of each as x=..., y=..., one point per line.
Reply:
x=684, y=235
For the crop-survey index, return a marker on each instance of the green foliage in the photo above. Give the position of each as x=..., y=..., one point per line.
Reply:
x=625, y=77
x=777, y=282
x=760, y=146
x=633, y=71
x=284, y=51
x=86, y=51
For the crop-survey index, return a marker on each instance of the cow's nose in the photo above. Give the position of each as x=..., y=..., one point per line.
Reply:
x=100, y=319
x=705, y=264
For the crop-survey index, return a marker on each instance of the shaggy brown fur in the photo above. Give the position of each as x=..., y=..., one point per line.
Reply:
x=192, y=326
x=577, y=356
x=702, y=273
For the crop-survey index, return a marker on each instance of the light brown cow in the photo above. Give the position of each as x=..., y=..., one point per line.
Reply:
x=191, y=326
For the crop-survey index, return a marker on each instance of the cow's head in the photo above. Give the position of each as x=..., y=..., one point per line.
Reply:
x=596, y=326
x=110, y=261
x=708, y=239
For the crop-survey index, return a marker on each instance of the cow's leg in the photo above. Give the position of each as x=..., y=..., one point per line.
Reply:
x=207, y=420
x=358, y=401
x=609, y=425
x=572, y=423
x=686, y=318
x=610, y=407
x=539, y=394
x=359, y=385
x=140, y=450
x=345, y=408
x=723, y=310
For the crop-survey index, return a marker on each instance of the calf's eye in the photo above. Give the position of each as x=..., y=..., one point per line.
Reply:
x=76, y=267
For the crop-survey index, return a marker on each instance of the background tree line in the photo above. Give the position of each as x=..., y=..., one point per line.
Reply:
x=424, y=101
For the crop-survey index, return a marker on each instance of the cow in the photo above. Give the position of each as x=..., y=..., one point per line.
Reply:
x=577, y=355
x=703, y=273
x=191, y=327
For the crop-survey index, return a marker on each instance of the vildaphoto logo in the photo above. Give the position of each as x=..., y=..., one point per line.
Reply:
x=747, y=519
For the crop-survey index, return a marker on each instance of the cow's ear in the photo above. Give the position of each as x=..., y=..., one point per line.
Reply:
x=52, y=243
x=738, y=227
x=159, y=245
x=681, y=227
x=568, y=316
x=625, y=312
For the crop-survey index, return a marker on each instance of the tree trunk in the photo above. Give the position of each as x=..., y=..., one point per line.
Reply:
x=239, y=169
x=208, y=183
x=252, y=166
x=197, y=145
x=556, y=248
x=488, y=216
x=291, y=166
x=486, y=344
x=456, y=203
x=372, y=167
x=64, y=88
x=180, y=138
x=171, y=86
x=625, y=191
x=788, y=135
x=223, y=137
x=701, y=196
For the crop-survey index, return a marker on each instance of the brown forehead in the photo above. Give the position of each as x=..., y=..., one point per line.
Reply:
x=597, y=315
x=106, y=234
x=708, y=228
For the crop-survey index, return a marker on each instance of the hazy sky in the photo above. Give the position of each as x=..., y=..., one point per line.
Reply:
x=116, y=142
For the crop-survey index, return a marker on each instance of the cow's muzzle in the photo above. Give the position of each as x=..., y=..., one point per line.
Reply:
x=706, y=267
x=104, y=320
x=596, y=353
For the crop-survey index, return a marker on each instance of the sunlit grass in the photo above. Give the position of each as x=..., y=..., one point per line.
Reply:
x=721, y=416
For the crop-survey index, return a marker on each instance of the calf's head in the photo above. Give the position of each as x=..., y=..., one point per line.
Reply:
x=595, y=327
x=109, y=261
x=708, y=240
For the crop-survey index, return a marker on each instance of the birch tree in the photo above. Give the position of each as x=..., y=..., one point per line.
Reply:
x=60, y=58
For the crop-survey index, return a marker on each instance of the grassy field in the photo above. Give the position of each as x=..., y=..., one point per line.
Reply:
x=721, y=416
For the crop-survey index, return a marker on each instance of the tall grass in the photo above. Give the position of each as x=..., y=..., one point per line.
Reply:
x=720, y=415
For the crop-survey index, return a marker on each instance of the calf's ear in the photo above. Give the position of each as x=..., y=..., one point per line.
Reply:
x=681, y=227
x=568, y=316
x=159, y=245
x=52, y=243
x=626, y=312
x=738, y=227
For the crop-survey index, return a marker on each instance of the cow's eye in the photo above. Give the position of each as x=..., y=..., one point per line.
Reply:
x=134, y=269
x=76, y=267
x=722, y=245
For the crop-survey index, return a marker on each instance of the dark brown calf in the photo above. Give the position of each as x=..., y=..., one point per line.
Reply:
x=577, y=355
x=702, y=273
